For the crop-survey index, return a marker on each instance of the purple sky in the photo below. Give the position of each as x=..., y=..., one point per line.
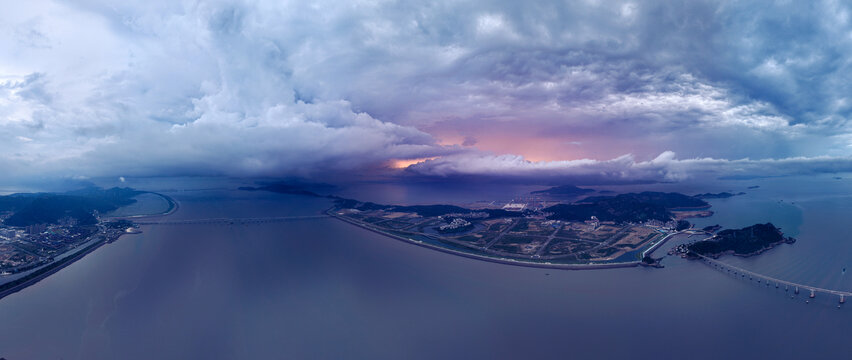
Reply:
x=565, y=91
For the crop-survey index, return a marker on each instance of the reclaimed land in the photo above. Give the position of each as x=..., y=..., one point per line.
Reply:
x=484, y=257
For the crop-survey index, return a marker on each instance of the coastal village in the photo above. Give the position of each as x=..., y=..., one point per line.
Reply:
x=26, y=248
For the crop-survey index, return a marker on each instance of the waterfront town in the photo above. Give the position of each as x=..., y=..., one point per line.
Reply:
x=29, y=247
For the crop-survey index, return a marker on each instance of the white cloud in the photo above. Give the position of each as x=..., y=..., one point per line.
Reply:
x=285, y=87
x=197, y=88
x=666, y=167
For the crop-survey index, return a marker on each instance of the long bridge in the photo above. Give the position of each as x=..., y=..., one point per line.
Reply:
x=768, y=280
x=232, y=221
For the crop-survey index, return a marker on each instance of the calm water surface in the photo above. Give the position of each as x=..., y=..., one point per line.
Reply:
x=324, y=289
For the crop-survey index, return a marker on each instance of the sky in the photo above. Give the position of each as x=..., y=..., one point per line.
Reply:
x=557, y=91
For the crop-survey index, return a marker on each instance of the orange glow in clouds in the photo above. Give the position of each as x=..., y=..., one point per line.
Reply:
x=404, y=163
x=531, y=148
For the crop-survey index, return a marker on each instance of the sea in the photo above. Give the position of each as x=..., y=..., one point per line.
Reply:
x=320, y=288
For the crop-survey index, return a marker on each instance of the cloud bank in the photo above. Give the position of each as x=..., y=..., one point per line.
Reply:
x=283, y=88
x=624, y=169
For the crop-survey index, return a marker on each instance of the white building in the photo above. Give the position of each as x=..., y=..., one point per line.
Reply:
x=513, y=206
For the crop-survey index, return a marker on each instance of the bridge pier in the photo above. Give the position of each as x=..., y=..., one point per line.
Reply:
x=787, y=285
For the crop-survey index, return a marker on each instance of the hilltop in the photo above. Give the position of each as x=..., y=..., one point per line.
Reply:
x=747, y=241
x=49, y=208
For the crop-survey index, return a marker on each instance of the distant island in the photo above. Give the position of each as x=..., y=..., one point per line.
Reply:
x=748, y=241
x=282, y=188
x=721, y=195
x=564, y=190
x=671, y=200
x=291, y=187
x=632, y=207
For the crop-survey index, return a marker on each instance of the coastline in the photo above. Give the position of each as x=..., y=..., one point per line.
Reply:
x=488, y=258
x=174, y=206
x=42, y=273
x=659, y=243
x=47, y=270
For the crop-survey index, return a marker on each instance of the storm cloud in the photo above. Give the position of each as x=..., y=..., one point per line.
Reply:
x=272, y=88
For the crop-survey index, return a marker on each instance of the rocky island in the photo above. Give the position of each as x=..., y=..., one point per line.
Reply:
x=748, y=241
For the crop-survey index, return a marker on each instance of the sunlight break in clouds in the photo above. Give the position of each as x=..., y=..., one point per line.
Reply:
x=271, y=88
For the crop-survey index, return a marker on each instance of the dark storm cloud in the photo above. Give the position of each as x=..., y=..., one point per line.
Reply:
x=294, y=88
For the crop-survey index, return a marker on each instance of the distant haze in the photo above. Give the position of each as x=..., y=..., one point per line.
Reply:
x=614, y=91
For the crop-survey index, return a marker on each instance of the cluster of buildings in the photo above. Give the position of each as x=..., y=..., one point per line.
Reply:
x=513, y=206
x=457, y=223
x=9, y=234
x=665, y=225
x=593, y=223
x=552, y=223
x=472, y=215
x=25, y=248
x=36, y=229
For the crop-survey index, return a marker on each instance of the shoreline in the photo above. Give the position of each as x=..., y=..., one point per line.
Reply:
x=488, y=258
x=49, y=269
x=174, y=205
x=52, y=268
x=659, y=243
